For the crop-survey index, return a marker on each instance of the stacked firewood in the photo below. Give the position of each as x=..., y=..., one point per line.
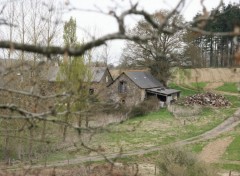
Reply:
x=207, y=99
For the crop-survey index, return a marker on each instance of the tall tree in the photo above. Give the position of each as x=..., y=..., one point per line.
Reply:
x=74, y=76
x=159, y=53
x=69, y=34
x=218, y=50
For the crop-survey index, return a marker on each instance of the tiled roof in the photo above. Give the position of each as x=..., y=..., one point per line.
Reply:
x=97, y=73
x=144, y=80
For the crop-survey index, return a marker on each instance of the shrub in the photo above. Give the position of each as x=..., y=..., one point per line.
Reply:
x=147, y=106
x=178, y=162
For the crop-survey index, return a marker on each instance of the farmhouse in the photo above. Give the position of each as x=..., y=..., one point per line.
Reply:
x=99, y=79
x=133, y=87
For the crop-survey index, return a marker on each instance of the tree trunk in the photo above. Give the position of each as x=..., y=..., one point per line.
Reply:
x=44, y=130
x=79, y=123
x=30, y=149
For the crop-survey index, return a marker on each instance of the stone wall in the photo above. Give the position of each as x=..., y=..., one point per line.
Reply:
x=132, y=96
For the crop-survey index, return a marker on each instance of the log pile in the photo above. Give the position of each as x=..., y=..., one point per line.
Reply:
x=207, y=99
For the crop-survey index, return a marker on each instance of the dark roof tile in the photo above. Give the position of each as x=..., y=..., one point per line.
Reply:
x=144, y=80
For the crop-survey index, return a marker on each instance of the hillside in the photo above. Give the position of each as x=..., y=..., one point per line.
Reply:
x=207, y=75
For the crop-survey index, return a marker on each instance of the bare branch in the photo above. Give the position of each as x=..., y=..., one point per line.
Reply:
x=70, y=51
x=33, y=95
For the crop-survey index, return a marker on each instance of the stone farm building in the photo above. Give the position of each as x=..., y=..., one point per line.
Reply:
x=100, y=78
x=134, y=87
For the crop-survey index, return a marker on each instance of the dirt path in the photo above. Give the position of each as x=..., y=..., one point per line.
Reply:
x=212, y=152
x=213, y=85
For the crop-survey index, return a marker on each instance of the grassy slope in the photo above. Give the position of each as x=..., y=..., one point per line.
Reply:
x=232, y=152
x=199, y=85
x=160, y=127
x=184, y=91
x=228, y=87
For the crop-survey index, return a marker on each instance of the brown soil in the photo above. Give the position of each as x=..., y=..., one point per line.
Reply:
x=215, y=75
x=213, y=85
x=214, y=150
x=228, y=173
x=211, y=75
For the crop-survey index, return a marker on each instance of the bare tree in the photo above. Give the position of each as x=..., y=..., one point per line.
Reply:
x=159, y=54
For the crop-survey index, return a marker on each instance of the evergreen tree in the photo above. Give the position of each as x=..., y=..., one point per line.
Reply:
x=218, y=50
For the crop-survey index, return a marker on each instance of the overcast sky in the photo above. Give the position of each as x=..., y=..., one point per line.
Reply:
x=91, y=23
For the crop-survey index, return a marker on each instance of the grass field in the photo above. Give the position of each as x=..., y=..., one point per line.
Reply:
x=199, y=85
x=228, y=87
x=232, y=152
x=230, y=167
x=159, y=128
x=184, y=90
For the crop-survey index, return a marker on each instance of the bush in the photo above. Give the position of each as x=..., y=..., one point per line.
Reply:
x=147, y=106
x=114, y=108
x=178, y=162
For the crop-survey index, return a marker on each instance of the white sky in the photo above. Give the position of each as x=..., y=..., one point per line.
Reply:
x=98, y=24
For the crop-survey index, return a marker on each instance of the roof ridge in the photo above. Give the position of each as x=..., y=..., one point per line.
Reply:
x=136, y=71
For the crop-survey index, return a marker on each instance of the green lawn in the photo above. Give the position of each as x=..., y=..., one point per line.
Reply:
x=184, y=90
x=162, y=127
x=199, y=85
x=197, y=147
x=233, y=150
x=234, y=100
x=230, y=167
x=228, y=87
x=157, y=128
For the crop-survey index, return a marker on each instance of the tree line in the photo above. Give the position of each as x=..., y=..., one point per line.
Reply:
x=215, y=51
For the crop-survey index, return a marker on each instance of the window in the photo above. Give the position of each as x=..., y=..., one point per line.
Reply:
x=106, y=79
x=122, y=87
x=91, y=91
